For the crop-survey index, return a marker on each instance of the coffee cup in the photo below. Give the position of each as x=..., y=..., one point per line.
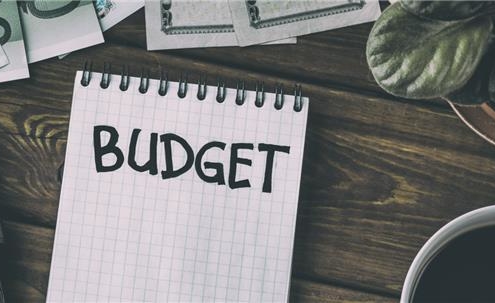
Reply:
x=455, y=264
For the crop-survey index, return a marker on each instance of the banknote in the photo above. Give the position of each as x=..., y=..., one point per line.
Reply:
x=13, y=55
x=172, y=24
x=55, y=27
x=4, y=60
x=111, y=12
x=258, y=21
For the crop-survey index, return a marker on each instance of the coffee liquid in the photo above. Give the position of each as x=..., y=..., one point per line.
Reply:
x=464, y=271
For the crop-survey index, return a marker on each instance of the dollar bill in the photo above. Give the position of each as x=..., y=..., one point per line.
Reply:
x=13, y=61
x=258, y=21
x=4, y=60
x=172, y=24
x=111, y=12
x=55, y=27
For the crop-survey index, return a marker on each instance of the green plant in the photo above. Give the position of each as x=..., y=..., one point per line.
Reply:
x=428, y=49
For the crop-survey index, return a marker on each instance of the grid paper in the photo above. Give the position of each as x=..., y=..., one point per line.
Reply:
x=128, y=236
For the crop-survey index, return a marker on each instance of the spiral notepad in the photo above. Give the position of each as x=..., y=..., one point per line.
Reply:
x=177, y=192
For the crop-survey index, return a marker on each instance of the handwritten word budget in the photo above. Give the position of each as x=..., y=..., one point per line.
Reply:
x=169, y=195
x=151, y=165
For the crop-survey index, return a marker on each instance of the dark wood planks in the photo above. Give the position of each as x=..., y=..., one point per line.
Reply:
x=379, y=178
x=380, y=174
x=305, y=291
x=28, y=263
x=27, y=260
x=334, y=57
x=29, y=178
x=40, y=106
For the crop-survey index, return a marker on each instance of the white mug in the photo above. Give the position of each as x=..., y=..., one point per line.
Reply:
x=475, y=219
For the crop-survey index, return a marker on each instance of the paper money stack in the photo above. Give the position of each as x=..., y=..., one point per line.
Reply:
x=172, y=24
x=34, y=30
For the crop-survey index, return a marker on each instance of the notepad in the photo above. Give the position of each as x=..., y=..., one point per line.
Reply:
x=169, y=198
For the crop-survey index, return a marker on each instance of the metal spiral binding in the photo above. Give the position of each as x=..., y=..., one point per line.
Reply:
x=182, y=91
x=221, y=94
x=124, y=78
x=201, y=88
x=279, y=97
x=105, y=76
x=163, y=86
x=86, y=76
x=240, y=94
x=260, y=94
x=221, y=91
x=297, y=98
x=144, y=82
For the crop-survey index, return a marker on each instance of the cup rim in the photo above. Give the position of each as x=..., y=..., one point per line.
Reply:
x=478, y=218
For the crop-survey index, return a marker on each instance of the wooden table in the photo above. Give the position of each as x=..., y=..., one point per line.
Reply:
x=380, y=176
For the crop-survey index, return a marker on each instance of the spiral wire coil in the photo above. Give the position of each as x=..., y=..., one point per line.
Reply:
x=221, y=91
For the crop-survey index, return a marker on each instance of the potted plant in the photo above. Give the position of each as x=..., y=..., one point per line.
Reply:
x=430, y=49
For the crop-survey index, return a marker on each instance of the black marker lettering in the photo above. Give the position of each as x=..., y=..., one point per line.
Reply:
x=169, y=171
x=218, y=177
x=202, y=167
x=151, y=164
x=270, y=149
x=234, y=160
x=107, y=149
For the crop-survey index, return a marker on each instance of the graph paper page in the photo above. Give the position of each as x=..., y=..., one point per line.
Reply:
x=135, y=236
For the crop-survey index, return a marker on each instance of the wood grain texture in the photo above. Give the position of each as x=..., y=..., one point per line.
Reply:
x=380, y=175
x=41, y=108
x=29, y=178
x=28, y=254
x=27, y=260
x=376, y=184
x=305, y=291
x=335, y=58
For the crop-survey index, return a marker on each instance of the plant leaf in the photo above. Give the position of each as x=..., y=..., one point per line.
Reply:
x=477, y=90
x=446, y=10
x=418, y=58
